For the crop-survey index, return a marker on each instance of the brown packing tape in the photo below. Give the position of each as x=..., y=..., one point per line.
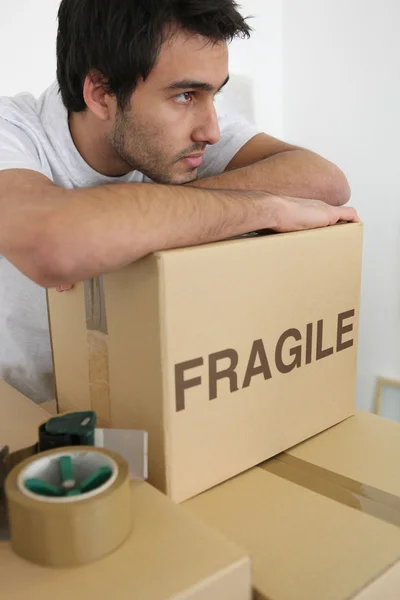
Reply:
x=66, y=532
x=351, y=493
x=9, y=460
x=97, y=350
x=99, y=376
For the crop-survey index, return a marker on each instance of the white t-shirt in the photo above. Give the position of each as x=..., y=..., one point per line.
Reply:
x=34, y=134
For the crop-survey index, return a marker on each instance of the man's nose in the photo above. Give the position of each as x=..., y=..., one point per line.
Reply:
x=207, y=130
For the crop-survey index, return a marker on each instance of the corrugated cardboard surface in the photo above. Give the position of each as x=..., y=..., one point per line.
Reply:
x=213, y=316
x=50, y=406
x=224, y=298
x=136, y=360
x=303, y=545
x=20, y=419
x=68, y=333
x=365, y=447
x=385, y=587
x=169, y=556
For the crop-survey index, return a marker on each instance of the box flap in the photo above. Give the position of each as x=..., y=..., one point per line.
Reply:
x=20, y=418
x=364, y=447
x=304, y=546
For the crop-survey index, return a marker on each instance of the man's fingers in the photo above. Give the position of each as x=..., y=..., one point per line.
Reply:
x=348, y=215
x=64, y=288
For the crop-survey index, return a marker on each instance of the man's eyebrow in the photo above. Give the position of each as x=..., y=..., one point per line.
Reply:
x=185, y=84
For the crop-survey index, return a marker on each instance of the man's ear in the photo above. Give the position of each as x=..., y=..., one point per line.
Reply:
x=97, y=97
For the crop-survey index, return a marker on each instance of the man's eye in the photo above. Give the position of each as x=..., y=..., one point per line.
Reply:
x=184, y=98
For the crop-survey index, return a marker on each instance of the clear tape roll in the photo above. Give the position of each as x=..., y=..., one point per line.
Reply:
x=75, y=530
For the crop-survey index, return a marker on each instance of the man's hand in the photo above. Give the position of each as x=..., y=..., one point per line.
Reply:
x=64, y=288
x=297, y=214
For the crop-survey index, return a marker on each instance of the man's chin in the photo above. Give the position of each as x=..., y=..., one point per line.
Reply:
x=174, y=178
x=184, y=178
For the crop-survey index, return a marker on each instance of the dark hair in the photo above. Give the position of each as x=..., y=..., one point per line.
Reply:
x=121, y=39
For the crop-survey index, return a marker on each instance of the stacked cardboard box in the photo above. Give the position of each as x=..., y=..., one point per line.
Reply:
x=170, y=555
x=321, y=521
x=227, y=353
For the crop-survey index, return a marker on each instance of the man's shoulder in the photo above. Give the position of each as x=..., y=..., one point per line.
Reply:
x=25, y=107
x=22, y=106
x=23, y=138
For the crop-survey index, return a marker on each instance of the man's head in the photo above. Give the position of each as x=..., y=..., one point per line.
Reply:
x=147, y=72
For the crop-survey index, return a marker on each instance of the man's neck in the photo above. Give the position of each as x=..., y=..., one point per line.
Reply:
x=91, y=142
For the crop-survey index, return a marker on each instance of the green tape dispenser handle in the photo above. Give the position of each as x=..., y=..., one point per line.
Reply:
x=70, y=429
x=68, y=485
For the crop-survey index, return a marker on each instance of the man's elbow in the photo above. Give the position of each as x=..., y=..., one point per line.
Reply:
x=39, y=259
x=46, y=265
x=338, y=191
x=46, y=274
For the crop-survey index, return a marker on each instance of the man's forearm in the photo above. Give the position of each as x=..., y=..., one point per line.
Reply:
x=295, y=173
x=100, y=229
x=57, y=236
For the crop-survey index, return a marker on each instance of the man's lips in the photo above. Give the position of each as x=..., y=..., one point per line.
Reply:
x=193, y=160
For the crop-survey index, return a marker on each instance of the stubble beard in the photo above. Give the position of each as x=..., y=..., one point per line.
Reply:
x=128, y=134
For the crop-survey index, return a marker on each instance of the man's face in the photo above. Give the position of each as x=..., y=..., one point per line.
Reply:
x=171, y=118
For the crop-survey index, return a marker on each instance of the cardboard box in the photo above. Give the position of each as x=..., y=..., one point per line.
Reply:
x=20, y=419
x=227, y=353
x=363, y=448
x=170, y=555
x=314, y=533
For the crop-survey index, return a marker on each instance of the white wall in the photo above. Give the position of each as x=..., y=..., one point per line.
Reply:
x=27, y=45
x=341, y=90
x=255, y=89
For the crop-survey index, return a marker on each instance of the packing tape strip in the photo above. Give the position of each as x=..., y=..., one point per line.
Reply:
x=74, y=530
x=351, y=493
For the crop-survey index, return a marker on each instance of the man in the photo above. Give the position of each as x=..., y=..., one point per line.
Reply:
x=134, y=105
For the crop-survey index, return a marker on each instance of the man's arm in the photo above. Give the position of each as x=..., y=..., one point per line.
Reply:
x=58, y=237
x=268, y=164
